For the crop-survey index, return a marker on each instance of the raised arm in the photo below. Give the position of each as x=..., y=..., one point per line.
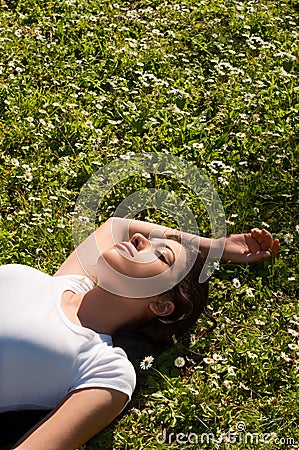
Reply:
x=250, y=247
x=83, y=260
x=255, y=246
x=78, y=418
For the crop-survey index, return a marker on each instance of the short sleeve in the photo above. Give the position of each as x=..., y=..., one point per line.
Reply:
x=109, y=369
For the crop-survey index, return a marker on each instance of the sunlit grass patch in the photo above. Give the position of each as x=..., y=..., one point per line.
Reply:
x=215, y=83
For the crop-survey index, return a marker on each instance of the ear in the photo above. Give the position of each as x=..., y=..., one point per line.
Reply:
x=162, y=307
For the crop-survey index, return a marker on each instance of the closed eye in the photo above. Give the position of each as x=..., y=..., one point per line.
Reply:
x=162, y=257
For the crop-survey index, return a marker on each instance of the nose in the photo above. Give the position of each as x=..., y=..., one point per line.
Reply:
x=140, y=242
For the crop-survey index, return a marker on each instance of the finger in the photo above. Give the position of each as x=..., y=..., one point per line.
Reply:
x=261, y=236
x=255, y=232
x=266, y=240
x=275, y=247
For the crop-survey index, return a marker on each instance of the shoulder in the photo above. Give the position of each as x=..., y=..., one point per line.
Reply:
x=107, y=367
x=21, y=271
x=115, y=364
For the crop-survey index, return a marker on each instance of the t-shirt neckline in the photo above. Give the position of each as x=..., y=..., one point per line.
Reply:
x=67, y=285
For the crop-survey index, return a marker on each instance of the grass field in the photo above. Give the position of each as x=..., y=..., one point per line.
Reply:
x=214, y=83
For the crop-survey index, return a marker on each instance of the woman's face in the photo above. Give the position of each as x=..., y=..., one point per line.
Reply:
x=153, y=260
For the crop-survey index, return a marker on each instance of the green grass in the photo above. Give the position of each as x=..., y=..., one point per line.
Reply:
x=83, y=82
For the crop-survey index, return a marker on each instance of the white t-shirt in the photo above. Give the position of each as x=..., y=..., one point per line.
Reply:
x=43, y=355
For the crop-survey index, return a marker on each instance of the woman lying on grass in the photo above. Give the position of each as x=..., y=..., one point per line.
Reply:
x=56, y=349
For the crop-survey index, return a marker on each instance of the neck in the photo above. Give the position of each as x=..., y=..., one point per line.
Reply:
x=106, y=313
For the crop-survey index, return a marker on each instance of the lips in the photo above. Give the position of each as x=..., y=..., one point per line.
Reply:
x=126, y=246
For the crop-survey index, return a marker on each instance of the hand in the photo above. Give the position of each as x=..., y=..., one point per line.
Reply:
x=258, y=245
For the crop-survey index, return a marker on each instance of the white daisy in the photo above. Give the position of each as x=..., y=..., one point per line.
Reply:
x=266, y=225
x=217, y=357
x=216, y=265
x=179, y=361
x=208, y=360
x=28, y=176
x=236, y=283
x=147, y=362
x=288, y=239
x=231, y=370
x=15, y=162
x=293, y=346
x=272, y=401
x=175, y=341
x=214, y=378
x=228, y=383
x=295, y=322
x=249, y=292
x=214, y=375
x=193, y=339
x=259, y=322
x=293, y=332
x=285, y=357
x=223, y=181
x=197, y=145
x=88, y=124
